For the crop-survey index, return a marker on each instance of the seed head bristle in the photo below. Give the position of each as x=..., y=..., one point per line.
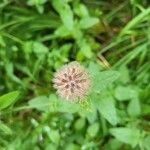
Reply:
x=72, y=81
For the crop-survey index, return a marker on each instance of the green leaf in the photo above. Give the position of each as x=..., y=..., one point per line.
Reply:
x=39, y=48
x=4, y=128
x=81, y=10
x=93, y=129
x=41, y=103
x=146, y=142
x=67, y=17
x=36, y=2
x=61, y=105
x=62, y=31
x=72, y=146
x=85, y=49
x=107, y=109
x=65, y=13
x=2, y=42
x=145, y=109
x=53, y=104
x=126, y=135
x=103, y=79
x=54, y=136
x=27, y=48
x=10, y=73
x=124, y=74
x=125, y=93
x=94, y=69
x=113, y=144
x=80, y=124
x=91, y=115
x=68, y=107
x=134, y=108
x=51, y=146
x=136, y=20
x=8, y=99
x=88, y=22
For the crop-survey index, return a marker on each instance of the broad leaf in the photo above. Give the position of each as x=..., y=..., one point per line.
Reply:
x=107, y=109
x=54, y=136
x=65, y=13
x=126, y=135
x=134, y=108
x=39, y=48
x=4, y=128
x=81, y=10
x=104, y=79
x=80, y=124
x=8, y=99
x=53, y=104
x=146, y=142
x=94, y=69
x=88, y=22
x=101, y=80
x=125, y=93
x=85, y=49
x=41, y=103
x=93, y=129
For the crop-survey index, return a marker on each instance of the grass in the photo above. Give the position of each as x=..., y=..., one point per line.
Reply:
x=111, y=39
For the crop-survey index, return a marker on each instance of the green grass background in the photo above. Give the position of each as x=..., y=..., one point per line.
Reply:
x=109, y=37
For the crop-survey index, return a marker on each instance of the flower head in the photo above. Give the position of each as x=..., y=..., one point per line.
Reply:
x=72, y=81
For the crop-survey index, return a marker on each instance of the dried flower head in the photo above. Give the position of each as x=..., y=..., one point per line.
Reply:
x=72, y=81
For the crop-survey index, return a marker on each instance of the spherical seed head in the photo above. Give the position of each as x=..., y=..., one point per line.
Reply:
x=72, y=81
